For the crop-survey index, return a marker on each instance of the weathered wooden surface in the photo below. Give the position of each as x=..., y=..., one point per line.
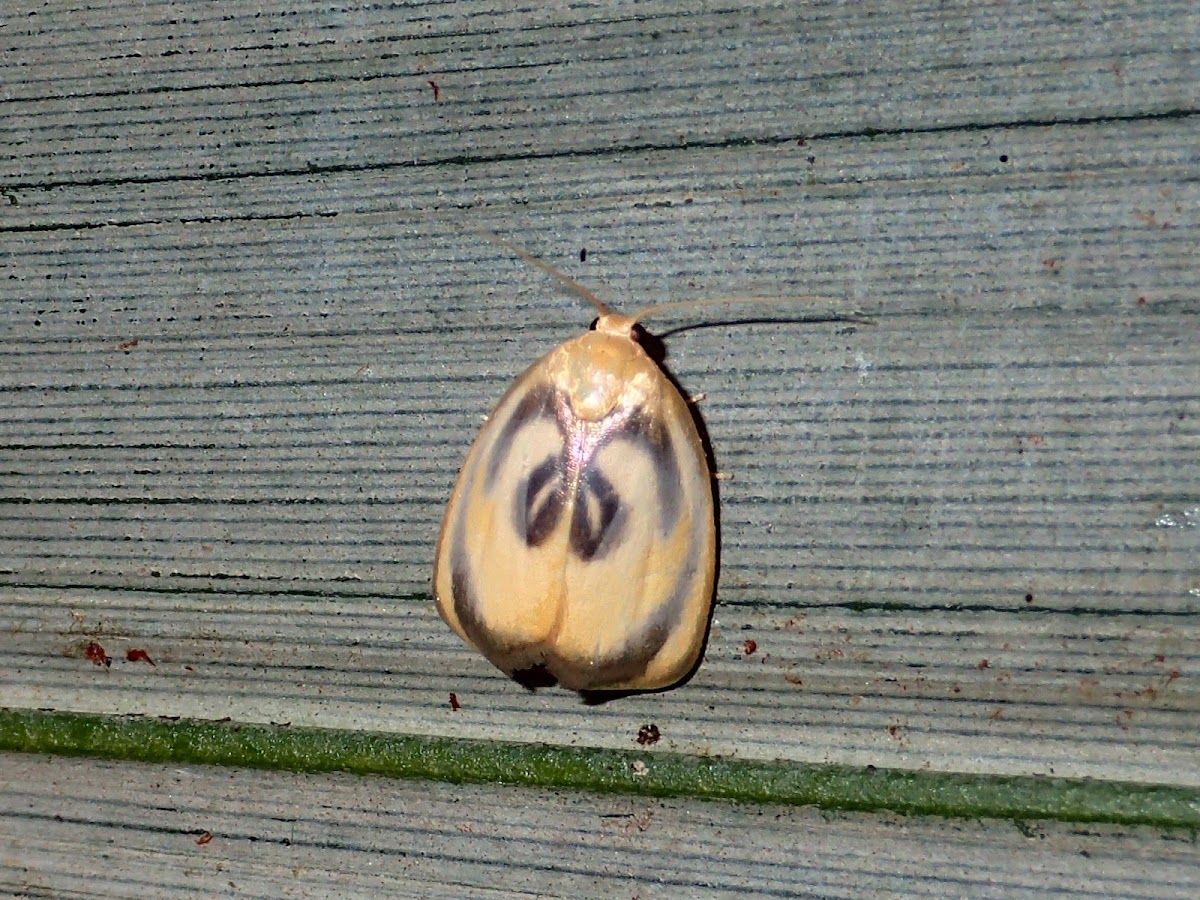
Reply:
x=276, y=834
x=249, y=332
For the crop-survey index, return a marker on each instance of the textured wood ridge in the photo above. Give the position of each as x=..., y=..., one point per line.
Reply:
x=249, y=330
x=275, y=833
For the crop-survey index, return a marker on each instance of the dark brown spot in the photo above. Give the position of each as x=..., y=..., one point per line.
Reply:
x=595, y=524
x=95, y=653
x=534, y=677
x=648, y=735
x=540, y=502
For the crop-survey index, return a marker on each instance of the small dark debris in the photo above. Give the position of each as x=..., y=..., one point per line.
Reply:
x=648, y=735
x=95, y=653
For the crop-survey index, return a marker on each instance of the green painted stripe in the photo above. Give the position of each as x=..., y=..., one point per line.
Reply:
x=606, y=771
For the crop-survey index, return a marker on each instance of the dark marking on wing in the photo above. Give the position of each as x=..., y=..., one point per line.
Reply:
x=600, y=510
x=538, y=403
x=598, y=517
x=539, y=502
x=654, y=437
x=509, y=659
x=525, y=661
x=625, y=665
x=670, y=487
x=641, y=646
x=462, y=591
x=466, y=607
x=464, y=598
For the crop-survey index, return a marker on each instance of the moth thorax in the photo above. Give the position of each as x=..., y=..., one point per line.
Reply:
x=601, y=373
x=595, y=390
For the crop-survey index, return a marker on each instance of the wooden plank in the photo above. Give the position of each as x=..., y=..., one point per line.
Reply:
x=305, y=461
x=193, y=92
x=250, y=332
x=947, y=691
x=276, y=834
x=1000, y=416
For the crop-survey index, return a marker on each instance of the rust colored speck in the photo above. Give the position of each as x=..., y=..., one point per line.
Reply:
x=136, y=654
x=437, y=91
x=205, y=838
x=983, y=664
x=95, y=652
x=648, y=735
x=454, y=704
x=750, y=646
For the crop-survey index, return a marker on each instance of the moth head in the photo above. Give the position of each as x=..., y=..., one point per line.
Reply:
x=617, y=325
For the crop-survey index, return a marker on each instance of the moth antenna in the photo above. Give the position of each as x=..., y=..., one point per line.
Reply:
x=549, y=270
x=724, y=301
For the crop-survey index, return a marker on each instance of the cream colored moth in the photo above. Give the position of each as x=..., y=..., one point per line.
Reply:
x=579, y=544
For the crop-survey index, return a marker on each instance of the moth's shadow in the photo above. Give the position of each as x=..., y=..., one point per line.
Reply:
x=759, y=320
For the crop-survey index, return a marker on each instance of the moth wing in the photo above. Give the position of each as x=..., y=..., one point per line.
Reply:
x=639, y=606
x=498, y=593
x=605, y=580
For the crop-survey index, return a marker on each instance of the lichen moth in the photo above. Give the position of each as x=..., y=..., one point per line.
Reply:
x=579, y=545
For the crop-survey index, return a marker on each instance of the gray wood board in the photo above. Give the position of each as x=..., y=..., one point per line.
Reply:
x=949, y=691
x=250, y=331
x=278, y=834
